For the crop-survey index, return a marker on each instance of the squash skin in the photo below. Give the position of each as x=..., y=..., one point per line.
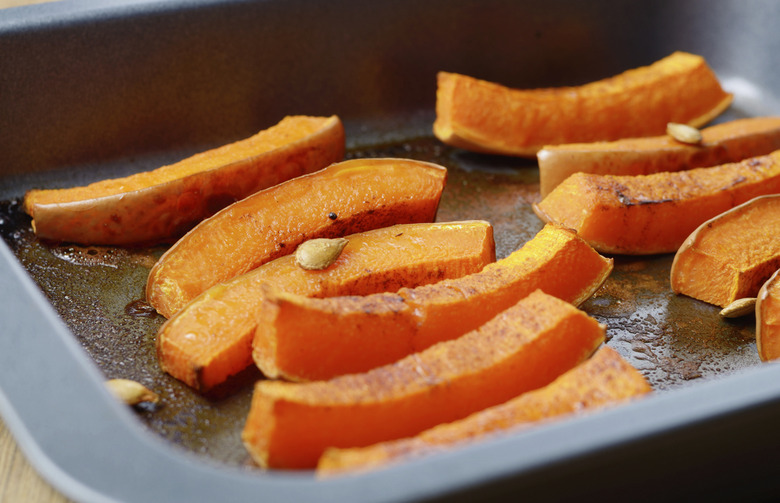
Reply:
x=161, y=205
x=652, y=214
x=487, y=117
x=731, y=255
x=722, y=143
x=343, y=198
x=768, y=319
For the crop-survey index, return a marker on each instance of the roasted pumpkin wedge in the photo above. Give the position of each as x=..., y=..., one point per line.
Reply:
x=161, y=205
x=604, y=380
x=210, y=339
x=722, y=143
x=648, y=214
x=488, y=117
x=731, y=255
x=522, y=348
x=347, y=197
x=301, y=338
x=768, y=319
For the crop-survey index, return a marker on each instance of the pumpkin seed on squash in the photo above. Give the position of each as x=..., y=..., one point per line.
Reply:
x=318, y=254
x=684, y=133
x=483, y=116
x=730, y=141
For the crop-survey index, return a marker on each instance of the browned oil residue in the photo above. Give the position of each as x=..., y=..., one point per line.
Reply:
x=140, y=309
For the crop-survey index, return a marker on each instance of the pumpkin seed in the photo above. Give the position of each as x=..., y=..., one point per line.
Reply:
x=740, y=307
x=131, y=392
x=317, y=254
x=683, y=133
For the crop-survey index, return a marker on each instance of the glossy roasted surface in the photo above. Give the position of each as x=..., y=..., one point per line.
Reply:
x=676, y=342
x=98, y=291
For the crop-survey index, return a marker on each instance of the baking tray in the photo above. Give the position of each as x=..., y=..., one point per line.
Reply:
x=91, y=89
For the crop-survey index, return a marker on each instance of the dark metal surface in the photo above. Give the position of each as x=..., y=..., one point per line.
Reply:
x=90, y=91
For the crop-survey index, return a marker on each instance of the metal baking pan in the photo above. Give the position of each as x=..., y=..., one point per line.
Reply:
x=92, y=89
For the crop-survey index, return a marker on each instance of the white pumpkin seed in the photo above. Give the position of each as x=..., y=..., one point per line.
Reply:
x=317, y=254
x=131, y=392
x=740, y=307
x=683, y=133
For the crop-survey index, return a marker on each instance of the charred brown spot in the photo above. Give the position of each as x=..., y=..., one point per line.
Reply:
x=629, y=201
x=734, y=182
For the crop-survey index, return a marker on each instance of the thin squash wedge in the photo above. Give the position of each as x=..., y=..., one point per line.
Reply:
x=730, y=256
x=487, y=117
x=301, y=338
x=768, y=319
x=210, y=339
x=604, y=380
x=722, y=143
x=347, y=197
x=648, y=214
x=523, y=348
x=161, y=205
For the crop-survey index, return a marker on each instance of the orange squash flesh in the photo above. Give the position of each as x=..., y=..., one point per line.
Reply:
x=731, y=255
x=211, y=338
x=161, y=205
x=605, y=379
x=650, y=214
x=487, y=117
x=302, y=338
x=768, y=319
x=722, y=143
x=523, y=348
x=347, y=197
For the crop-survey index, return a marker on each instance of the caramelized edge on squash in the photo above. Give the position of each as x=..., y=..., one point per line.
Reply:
x=604, y=380
x=649, y=214
x=523, y=348
x=346, y=197
x=722, y=143
x=301, y=338
x=211, y=338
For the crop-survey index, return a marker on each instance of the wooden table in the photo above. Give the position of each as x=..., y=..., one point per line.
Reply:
x=19, y=482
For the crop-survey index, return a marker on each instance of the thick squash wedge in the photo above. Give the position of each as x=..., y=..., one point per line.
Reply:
x=301, y=338
x=523, y=348
x=722, y=143
x=604, y=380
x=487, y=117
x=768, y=319
x=650, y=214
x=161, y=205
x=210, y=339
x=730, y=256
x=347, y=197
